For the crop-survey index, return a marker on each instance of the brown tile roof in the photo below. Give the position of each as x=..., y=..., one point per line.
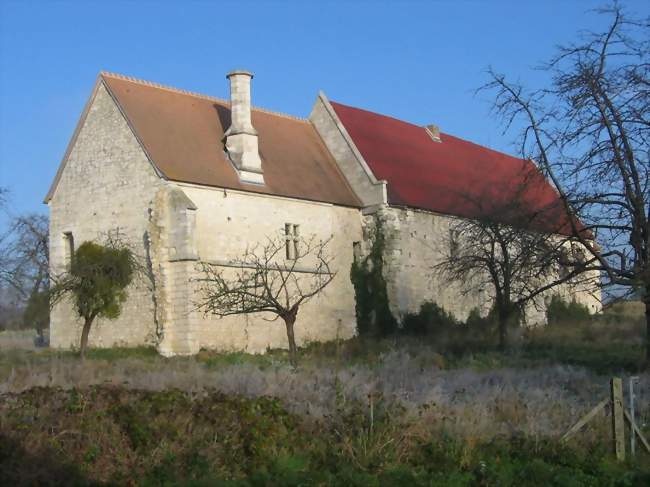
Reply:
x=182, y=134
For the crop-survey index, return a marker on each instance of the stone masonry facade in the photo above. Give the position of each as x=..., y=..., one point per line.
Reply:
x=108, y=183
x=416, y=241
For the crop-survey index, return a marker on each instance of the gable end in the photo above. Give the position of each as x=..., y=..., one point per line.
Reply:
x=99, y=83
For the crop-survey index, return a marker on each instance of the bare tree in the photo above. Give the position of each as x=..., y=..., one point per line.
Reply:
x=24, y=266
x=276, y=277
x=590, y=132
x=513, y=249
x=24, y=254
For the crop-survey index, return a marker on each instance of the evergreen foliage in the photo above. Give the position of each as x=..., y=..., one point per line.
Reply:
x=97, y=282
x=561, y=311
x=430, y=320
x=37, y=312
x=374, y=318
x=99, y=277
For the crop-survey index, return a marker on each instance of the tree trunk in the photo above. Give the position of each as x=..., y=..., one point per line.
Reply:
x=504, y=314
x=503, y=330
x=88, y=321
x=289, y=321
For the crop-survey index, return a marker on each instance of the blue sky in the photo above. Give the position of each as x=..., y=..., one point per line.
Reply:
x=419, y=61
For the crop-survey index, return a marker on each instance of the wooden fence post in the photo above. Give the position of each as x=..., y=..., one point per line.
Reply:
x=632, y=415
x=618, y=418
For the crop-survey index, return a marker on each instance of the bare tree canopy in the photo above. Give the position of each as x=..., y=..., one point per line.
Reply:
x=590, y=132
x=24, y=260
x=514, y=251
x=276, y=277
x=24, y=265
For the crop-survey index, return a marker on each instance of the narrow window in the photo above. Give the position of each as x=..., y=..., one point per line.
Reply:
x=296, y=241
x=68, y=241
x=288, y=244
x=291, y=240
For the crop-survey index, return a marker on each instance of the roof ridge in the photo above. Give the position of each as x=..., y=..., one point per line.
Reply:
x=181, y=91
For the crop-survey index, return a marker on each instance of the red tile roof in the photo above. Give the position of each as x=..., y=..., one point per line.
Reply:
x=453, y=176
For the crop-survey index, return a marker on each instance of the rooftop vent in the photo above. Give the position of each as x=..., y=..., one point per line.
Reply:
x=434, y=132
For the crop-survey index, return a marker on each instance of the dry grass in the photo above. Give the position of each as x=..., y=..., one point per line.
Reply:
x=535, y=401
x=539, y=389
x=17, y=340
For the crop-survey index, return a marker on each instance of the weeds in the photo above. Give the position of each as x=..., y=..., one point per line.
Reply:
x=399, y=411
x=216, y=439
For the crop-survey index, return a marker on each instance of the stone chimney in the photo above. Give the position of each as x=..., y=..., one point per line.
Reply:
x=241, y=136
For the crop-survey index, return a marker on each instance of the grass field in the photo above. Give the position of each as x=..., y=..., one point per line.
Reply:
x=397, y=411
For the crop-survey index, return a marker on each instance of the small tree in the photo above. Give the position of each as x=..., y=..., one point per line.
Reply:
x=589, y=130
x=96, y=282
x=276, y=277
x=512, y=249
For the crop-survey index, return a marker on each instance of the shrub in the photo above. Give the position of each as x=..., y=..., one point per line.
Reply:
x=561, y=311
x=482, y=325
x=112, y=436
x=97, y=282
x=430, y=320
x=37, y=312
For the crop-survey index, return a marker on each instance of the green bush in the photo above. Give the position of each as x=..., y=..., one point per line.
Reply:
x=450, y=334
x=430, y=320
x=560, y=311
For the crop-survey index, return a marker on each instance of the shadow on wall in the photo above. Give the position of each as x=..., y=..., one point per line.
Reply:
x=224, y=116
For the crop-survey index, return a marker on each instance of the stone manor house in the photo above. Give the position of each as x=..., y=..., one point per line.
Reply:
x=191, y=178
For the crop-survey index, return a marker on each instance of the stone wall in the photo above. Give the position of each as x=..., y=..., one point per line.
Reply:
x=415, y=242
x=108, y=183
x=368, y=189
x=229, y=221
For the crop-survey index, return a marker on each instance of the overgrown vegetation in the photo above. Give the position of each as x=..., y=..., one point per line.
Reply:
x=411, y=409
x=108, y=435
x=374, y=318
